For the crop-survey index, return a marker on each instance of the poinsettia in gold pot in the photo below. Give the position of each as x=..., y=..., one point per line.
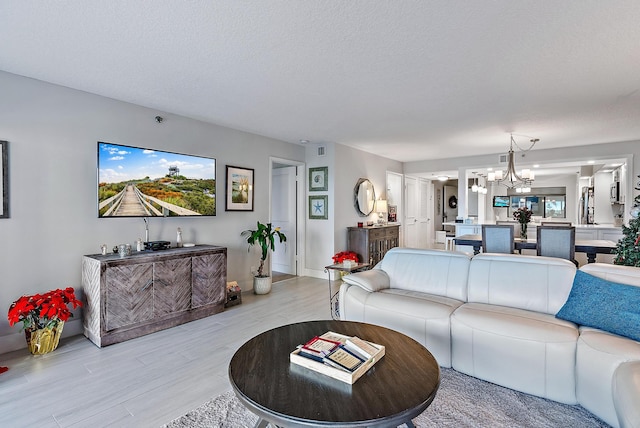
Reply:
x=43, y=317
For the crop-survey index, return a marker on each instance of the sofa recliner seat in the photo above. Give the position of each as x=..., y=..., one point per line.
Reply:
x=410, y=291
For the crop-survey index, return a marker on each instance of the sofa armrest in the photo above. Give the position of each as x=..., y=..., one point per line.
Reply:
x=626, y=394
x=369, y=280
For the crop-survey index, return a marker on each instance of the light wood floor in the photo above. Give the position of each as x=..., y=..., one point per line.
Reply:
x=149, y=381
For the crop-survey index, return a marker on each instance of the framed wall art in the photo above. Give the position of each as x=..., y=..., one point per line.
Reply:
x=319, y=179
x=239, y=189
x=318, y=207
x=4, y=179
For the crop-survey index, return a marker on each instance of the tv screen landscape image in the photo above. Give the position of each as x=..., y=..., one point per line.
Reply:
x=140, y=182
x=500, y=201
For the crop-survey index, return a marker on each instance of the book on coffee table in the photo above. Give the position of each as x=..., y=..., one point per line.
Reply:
x=345, y=363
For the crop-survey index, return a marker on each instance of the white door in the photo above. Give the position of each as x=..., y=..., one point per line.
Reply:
x=395, y=199
x=425, y=228
x=411, y=209
x=283, y=215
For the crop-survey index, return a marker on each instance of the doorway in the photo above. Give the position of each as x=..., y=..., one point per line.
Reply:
x=286, y=213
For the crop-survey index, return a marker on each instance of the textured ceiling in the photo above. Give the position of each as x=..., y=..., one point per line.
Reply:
x=407, y=80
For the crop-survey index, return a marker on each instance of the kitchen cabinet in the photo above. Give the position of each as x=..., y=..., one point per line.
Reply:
x=150, y=291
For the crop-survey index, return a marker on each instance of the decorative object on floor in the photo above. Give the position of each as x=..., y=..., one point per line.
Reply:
x=627, y=250
x=511, y=179
x=239, y=189
x=234, y=294
x=523, y=215
x=4, y=179
x=318, y=207
x=264, y=236
x=43, y=317
x=461, y=401
x=319, y=179
x=43, y=340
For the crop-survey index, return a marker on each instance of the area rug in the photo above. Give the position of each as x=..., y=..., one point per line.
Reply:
x=461, y=401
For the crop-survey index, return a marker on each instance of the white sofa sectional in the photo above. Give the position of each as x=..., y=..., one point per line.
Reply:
x=492, y=316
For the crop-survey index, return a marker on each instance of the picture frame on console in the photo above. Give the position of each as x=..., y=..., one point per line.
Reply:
x=239, y=189
x=4, y=178
x=318, y=207
x=319, y=179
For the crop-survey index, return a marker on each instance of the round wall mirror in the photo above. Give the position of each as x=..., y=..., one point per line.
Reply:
x=364, y=197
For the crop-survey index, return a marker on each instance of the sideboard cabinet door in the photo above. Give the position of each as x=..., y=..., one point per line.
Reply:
x=171, y=286
x=129, y=295
x=209, y=279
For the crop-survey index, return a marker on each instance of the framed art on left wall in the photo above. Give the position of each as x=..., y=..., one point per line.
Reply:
x=318, y=207
x=4, y=178
x=239, y=189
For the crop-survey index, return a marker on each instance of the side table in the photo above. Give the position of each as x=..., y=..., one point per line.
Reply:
x=333, y=295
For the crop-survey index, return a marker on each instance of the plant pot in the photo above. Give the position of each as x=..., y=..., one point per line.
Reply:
x=262, y=285
x=43, y=340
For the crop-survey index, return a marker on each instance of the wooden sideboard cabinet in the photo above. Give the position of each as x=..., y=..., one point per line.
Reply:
x=151, y=290
x=372, y=243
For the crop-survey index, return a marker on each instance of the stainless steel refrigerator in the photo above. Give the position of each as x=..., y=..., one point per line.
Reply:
x=586, y=205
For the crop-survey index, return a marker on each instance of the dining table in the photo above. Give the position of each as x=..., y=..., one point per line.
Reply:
x=591, y=247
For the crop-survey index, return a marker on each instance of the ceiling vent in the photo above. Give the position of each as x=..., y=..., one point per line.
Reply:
x=503, y=158
x=321, y=150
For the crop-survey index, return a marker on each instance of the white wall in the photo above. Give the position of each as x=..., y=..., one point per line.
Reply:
x=351, y=165
x=53, y=133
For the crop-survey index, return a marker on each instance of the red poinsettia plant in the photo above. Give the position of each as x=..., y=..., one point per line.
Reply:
x=345, y=255
x=43, y=310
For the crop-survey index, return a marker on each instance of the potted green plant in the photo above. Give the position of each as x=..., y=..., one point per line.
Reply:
x=265, y=237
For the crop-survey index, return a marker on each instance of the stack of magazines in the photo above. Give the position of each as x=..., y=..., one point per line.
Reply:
x=342, y=357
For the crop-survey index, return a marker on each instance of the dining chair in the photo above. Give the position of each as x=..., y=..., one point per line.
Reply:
x=556, y=241
x=497, y=238
x=515, y=224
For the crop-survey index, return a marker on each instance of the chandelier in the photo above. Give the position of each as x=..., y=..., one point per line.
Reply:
x=521, y=183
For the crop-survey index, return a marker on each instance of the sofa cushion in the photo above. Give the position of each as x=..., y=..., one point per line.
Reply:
x=626, y=394
x=370, y=280
x=524, y=350
x=425, y=318
x=598, y=356
x=606, y=305
x=533, y=283
x=437, y=272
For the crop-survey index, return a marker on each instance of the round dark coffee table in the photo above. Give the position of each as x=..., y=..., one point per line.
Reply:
x=395, y=390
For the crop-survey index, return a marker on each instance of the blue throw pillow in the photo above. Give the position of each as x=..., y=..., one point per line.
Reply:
x=609, y=306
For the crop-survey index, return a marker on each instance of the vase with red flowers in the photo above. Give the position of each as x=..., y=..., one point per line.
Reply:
x=43, y=317
x=523, y=215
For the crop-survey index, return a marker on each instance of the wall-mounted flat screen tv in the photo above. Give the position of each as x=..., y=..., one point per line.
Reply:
x=500, y=201
x=140, y=182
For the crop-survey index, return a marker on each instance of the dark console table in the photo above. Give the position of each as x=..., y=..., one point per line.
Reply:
x=394, y=391
x=151, y=290
x=371, y=243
